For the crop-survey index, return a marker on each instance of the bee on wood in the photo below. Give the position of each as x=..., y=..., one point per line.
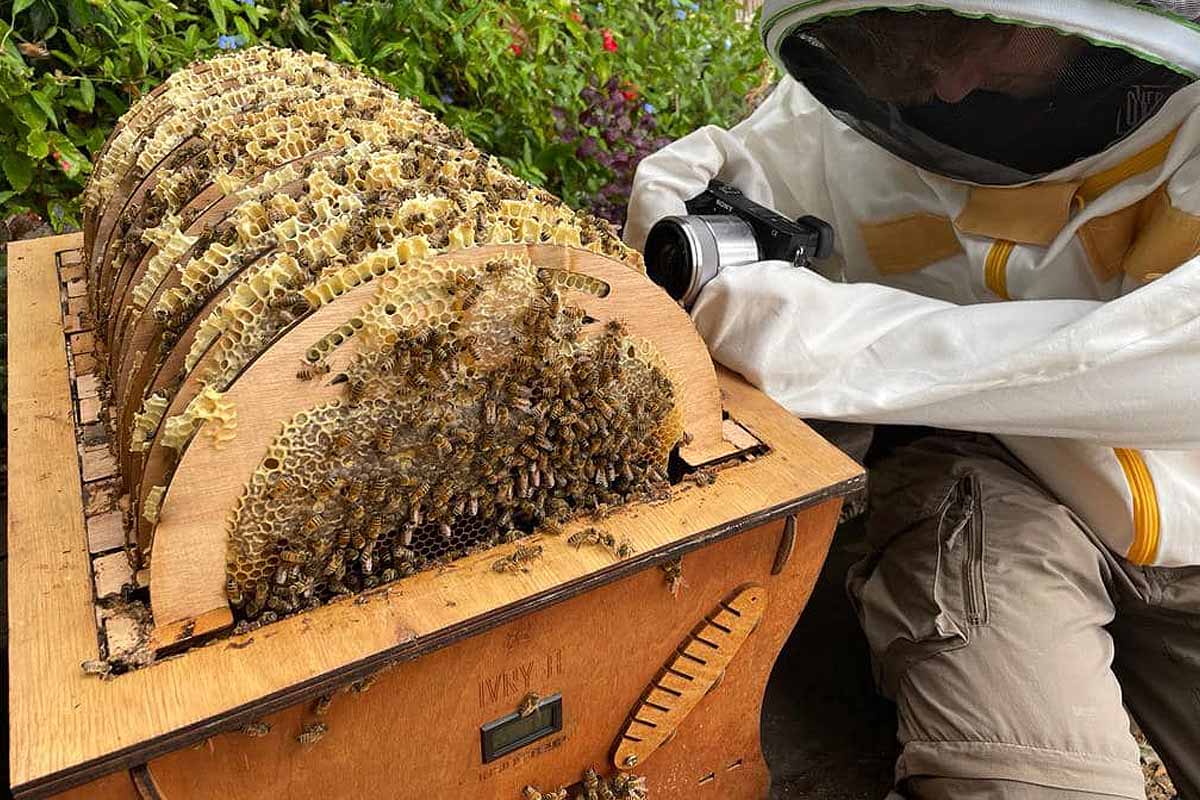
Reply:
x=363, y=684
x=96, y=666
x=703, y=477
x=311, y=734
x=388, y=575
x=307, y=371
x=322, y=704
x=255, y=729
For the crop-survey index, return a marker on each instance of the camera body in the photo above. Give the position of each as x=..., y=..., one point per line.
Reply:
x=724, y=228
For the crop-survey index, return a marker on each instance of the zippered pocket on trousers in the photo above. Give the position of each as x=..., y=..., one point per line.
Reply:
x=969, y=528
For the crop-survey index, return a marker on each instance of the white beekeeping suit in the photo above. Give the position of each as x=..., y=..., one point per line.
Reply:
x=1049, y=294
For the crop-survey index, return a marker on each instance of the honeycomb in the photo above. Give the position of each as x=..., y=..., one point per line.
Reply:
x=473, y=412
x=475, y=403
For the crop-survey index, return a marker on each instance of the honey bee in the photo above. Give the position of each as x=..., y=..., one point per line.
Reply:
x=366, y=563
x=529, y=704
x=403, y=554
x=343, y=537
x=292, y=556
x=363, y=684
x=322, y=704
x=313, y=523
x=309, y=371
x=284, y=484
x=441, y=444
x=329, y=484
x=335, y=564
x=354, y=490
x=255, y=729
x=527, y=450
x=406, y=536
x=311, y=734
x=374, y=528
x=384, y=437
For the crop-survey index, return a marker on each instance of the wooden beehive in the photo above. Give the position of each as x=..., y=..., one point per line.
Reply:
x=333, y=325
x=319, y=364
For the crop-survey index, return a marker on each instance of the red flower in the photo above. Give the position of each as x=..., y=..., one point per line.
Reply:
x=610, y=43
x=516, y=49
x=575, y=15
x=630, y=95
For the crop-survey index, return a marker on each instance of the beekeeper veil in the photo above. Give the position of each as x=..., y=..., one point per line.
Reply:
x=994, y=92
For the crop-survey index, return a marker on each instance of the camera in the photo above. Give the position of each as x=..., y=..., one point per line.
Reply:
x=724, y=228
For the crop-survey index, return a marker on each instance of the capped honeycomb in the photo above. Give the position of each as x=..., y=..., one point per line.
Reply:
x=474, y=403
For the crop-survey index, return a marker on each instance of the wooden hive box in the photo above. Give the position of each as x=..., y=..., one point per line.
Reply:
x=662, y=655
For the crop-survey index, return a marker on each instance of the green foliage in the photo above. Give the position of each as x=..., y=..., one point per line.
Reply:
x=497, y=70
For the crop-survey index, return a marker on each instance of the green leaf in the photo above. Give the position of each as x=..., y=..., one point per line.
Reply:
x=72, y=161
x=6, y=196
x=37, y=145
x=45, y=105
x=87, y=93
x=18, y=168
x=29, y=113
x=20, y=6
x=218, y=12
x=341, y=47
x=244, y=29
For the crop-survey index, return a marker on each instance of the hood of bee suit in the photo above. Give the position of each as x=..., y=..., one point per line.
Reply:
x=995, y=92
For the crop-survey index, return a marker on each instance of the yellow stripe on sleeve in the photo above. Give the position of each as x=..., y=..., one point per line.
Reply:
x=1146, y=520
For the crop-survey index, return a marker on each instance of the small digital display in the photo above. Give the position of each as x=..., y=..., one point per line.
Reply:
x=512, y=732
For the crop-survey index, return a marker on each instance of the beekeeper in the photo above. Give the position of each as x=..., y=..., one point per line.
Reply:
x=1015, y=186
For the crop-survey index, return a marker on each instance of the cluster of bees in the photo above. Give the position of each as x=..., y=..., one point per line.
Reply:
x=474, y=415
x=622, y=786
x=248, y=191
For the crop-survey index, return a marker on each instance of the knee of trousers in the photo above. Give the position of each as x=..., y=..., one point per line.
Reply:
x=984, y=604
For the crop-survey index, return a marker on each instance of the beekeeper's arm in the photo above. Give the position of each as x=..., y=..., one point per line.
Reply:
x=1122, y=373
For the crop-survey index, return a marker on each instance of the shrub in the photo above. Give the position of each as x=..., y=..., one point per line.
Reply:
x=570, y=96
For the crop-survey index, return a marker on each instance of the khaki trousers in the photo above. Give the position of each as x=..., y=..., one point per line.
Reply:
x=1012, y=641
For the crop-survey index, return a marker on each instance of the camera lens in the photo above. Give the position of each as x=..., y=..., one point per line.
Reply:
x=670, y=260
x=684, y=253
